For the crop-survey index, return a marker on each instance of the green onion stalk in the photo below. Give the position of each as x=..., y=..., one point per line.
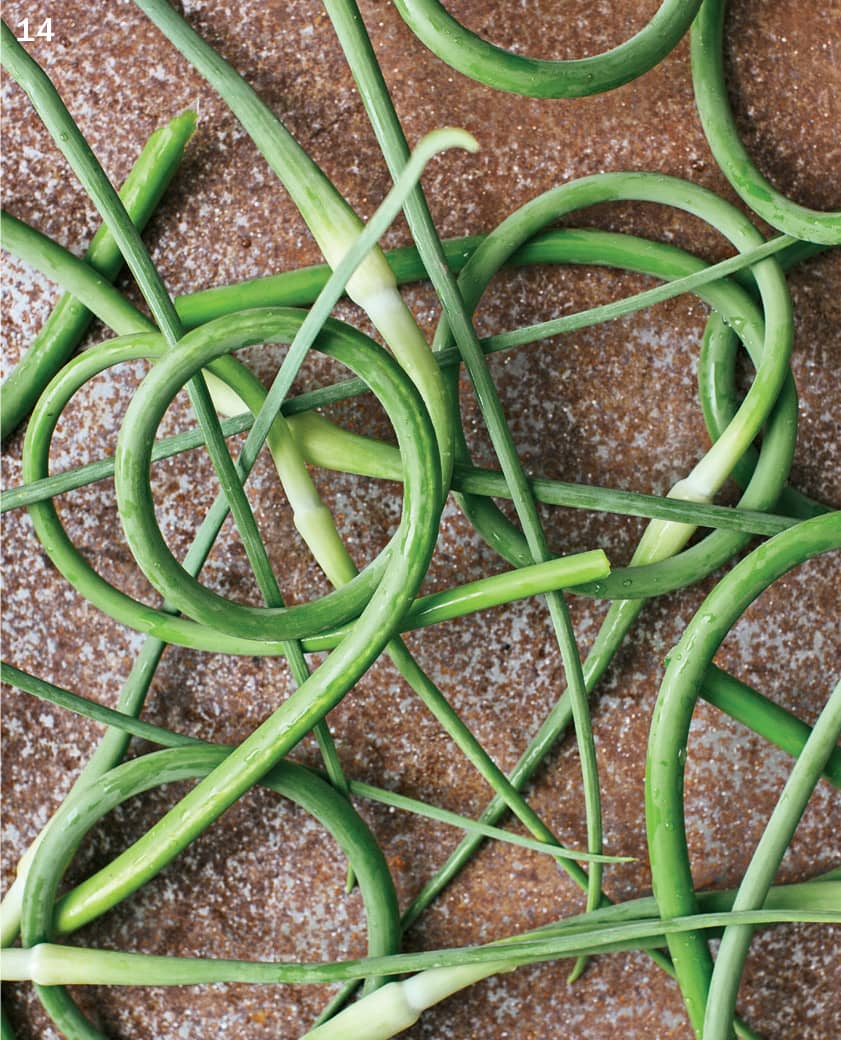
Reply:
x=501, y=69
x=333, y=223
x=65, y=133
x=713, y=104
x=64, y=329
x=671, y=872
x=52, y=530
x=769, y=343
x=400, y=575
x=51, y=964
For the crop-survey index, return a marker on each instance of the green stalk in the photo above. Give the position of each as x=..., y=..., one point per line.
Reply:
x=671, y=870
x=766, y=859
x=357, y=46
x=741, y=702
x=79, y=280
x=74, y=147
x=50, y=964
x=325, y=687
x=722, y=133
x=501, y=69
x=720, y=401
x=331, y=220
x=64, y=329
x=521, y=583
x=167, y=738
x=647, y=298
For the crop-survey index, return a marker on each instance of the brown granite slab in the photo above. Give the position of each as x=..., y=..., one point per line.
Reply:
x=614, y=405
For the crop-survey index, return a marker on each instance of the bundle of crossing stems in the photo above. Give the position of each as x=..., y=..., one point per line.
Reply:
x=191, y=344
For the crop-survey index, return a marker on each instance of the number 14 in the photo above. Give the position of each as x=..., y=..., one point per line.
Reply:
x=45, y=30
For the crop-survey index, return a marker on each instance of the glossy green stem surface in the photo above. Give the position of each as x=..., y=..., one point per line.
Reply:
x=63, y=331
x=688, y=663
x=723, y=137
x=535, y=77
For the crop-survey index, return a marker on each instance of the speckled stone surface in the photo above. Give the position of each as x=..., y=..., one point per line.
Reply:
x=614, y=405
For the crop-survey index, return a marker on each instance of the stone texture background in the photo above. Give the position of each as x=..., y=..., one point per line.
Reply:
x=612, y=405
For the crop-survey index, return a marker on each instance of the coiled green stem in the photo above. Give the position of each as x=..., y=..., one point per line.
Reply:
x=536, y=77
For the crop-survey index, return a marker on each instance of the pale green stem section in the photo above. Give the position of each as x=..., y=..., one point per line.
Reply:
x=315, y=524
x=311, y=517
x=52, y=964
x=331, y=220
x=428, y=147
x=398, y=1005
x=10, y=907
x=532, y=580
